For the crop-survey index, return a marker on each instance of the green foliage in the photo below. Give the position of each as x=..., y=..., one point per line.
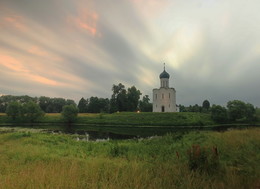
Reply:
x=82, y=105
x=236, y=110
x=145, y=105
x=205, y=106
x=6, y=99
x=250, y=113
x=98, y=105
x=240, y=111
x=257, y=114
x=194, y=108
x=34, y=158
x=203, y=159
x=69, y=113
x=219, y=114
x=47, y=104
x=133, y=96
x=94, y=105
x=31, y=112
x=118, y=100
x=13, y=110
x=148, y=118
x=124, y=100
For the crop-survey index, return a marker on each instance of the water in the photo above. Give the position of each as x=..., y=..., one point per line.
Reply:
x=106, y=133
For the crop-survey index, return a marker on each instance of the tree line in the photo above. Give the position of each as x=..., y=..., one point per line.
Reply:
x=122, y=99
x=235, y=111
x=47, y=104
x=31, y=108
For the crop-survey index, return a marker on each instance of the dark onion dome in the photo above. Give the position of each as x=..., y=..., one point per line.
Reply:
x=164, y=74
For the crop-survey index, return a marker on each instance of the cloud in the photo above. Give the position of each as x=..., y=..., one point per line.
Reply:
x=35, y=50
x=14, y=21
x=86, y=20
x=74, y=49
x=14, y=65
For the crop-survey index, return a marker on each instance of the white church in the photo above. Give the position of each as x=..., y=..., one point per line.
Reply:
x=164, y=98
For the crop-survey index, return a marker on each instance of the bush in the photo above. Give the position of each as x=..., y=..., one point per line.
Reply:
x=31, y=112
x=239, y=111
x=204, y=160
x=28, y=112
x=219, y=114
x=69, y=114
x=13, y=110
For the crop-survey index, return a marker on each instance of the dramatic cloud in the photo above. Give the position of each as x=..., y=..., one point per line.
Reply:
x=75, y=49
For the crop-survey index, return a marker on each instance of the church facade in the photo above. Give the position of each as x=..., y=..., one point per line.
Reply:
x=164, y=98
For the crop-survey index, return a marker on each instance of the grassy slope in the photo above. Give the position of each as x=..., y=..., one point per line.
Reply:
x=131, y=118
x=35, y=160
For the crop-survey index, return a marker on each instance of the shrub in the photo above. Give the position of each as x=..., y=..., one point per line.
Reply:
x=31, y=112
x=219, y=114
x=13, y=110
x=204, y=160
x=69, y=114
x=28, y=112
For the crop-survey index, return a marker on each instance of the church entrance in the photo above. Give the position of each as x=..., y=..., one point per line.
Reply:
x=162, y=108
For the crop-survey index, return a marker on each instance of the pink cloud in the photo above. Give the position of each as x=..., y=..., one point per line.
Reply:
x=17, y=66
x=35, y=50
x=86, y=21
x=12, y=64
x=16, y=22
x=43, y=80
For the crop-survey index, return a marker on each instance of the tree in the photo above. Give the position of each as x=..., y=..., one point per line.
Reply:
x=250, y=112
x=205, y=105
x=69, y=102
x=133, y=96
x=118, y=100
x=122, y=101
x=82, y=106
x=236, y=110
x=182, y=108
x=219, y=114
x=31, y=112
x=56, y=105
x=44, y=103
x=93, y=106
x=13, y=110
x=103, y=105
x=145, y=105
x=69, y=114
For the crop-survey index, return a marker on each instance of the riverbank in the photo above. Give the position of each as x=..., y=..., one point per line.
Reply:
x=129, y=118
x=128, y=123
x=34, y=160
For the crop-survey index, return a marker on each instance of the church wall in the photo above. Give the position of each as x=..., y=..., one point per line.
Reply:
x=164, y=97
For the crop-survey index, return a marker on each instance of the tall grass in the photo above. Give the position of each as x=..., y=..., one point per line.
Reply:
x=132, y=118
x=37, y=160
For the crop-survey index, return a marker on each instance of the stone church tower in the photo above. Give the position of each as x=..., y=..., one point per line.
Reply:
x=164, y=99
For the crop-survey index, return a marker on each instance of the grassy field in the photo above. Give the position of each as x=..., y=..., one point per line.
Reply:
x=37, y=160
x=132, y=118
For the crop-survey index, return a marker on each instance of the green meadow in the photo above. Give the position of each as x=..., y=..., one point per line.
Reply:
x=30, y=159
x=131, y=118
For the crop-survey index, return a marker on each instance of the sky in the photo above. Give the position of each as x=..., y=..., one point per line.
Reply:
x=73, y=49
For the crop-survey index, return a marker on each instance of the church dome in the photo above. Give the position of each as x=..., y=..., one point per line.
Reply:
x=164, y=74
